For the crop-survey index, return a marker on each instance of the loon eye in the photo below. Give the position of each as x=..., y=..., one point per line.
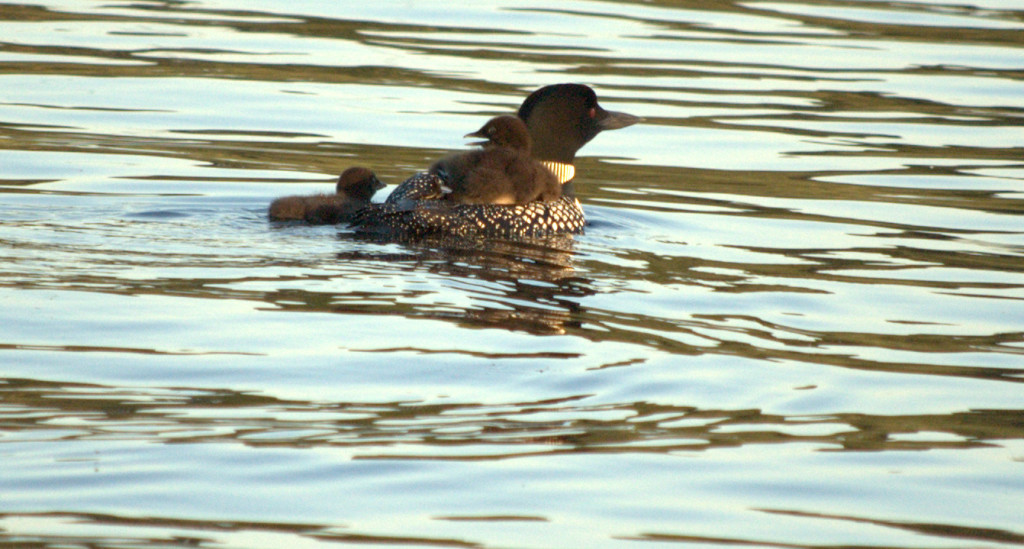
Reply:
x=592, y=112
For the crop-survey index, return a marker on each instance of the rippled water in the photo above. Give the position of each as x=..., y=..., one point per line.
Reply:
x=795, y=318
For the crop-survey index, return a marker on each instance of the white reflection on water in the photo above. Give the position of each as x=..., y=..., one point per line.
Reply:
x=922, y=17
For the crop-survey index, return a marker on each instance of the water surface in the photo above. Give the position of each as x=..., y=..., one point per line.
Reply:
x=794, y=319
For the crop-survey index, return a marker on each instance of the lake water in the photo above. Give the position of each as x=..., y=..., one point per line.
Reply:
x=795, y=320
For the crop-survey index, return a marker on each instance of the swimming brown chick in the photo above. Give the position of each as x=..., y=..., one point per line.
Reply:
x=502, y=172
x=353, y=192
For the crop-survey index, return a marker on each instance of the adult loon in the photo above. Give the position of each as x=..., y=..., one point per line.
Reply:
x=561, y=118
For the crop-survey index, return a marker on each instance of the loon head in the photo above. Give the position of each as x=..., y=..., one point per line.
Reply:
x=561, y=118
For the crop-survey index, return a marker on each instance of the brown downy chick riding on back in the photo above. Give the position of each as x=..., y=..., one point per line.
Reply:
x=502, y=172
